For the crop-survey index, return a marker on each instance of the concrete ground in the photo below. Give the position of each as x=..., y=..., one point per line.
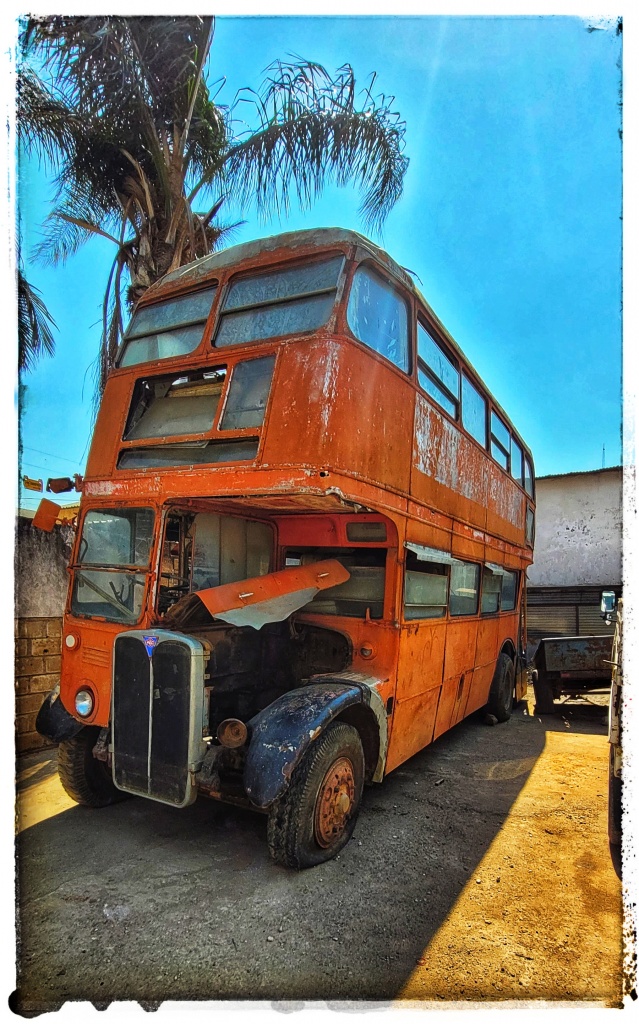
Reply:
x=479, y=870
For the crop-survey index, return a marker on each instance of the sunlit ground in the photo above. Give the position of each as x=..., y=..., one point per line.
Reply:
x=39, y=793
x=540, y=917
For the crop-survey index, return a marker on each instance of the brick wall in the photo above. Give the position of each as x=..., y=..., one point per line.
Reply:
x=37, y=671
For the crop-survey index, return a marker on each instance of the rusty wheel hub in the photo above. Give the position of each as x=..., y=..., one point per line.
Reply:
x=334, y=801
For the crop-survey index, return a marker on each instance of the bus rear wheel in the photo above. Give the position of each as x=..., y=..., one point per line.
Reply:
x=500, y=698
x=84, y=778
x=314, y=819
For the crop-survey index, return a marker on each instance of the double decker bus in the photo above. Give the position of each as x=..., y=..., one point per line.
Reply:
x=301, y=547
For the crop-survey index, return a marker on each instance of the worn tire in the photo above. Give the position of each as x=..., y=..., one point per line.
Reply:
x=544, y=697
x=294, y=831
x=85, y=779
x=500, y=698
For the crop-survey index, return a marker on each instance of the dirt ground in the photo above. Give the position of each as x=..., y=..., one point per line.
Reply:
x=479, y=870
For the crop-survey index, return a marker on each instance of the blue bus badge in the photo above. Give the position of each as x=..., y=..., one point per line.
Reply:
x=150, y=642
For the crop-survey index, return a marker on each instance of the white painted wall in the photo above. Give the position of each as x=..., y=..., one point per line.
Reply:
x=578, y=531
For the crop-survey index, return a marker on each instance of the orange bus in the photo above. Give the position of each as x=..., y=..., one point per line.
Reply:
x=301, y=548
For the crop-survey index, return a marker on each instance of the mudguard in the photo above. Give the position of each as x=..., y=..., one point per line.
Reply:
x=282, y=732
x=54, y=721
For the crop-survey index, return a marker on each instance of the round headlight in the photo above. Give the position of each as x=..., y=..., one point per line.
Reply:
x=84, y=703
x=71, y=641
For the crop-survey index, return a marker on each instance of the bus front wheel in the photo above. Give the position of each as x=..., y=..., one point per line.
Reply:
x=84, y=778
x=314, y=819
x=500, y=698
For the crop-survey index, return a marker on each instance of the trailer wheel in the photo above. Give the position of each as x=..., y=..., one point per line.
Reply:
x=500, y=698
x=314, y=819
x=86, y=779
x=544, y=696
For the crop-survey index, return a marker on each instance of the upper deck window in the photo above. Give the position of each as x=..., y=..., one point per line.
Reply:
x=283, y=302
x=473, y=411
x=171, y=406
x=377, y=315
x=437, y=373
x=248, y=395
x=499, y=441
x=528, y=477
x=171, y=328
x=516, y=460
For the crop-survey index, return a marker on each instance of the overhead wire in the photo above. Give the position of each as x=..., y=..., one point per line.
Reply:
x=62, y=458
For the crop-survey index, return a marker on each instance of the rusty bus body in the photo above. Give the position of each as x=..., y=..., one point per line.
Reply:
x=284, y=405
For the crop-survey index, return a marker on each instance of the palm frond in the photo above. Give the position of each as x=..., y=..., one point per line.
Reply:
x=310, y=131
x=45, y=124
x=34, y=325
x=64, y=235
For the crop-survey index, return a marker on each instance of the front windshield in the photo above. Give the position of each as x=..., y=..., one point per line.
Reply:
x=113, y=544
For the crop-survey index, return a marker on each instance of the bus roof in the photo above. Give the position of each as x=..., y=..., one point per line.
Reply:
x=290, y=240
x=306, y=240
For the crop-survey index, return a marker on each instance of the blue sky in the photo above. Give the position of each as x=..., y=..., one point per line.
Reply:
x=510, y=217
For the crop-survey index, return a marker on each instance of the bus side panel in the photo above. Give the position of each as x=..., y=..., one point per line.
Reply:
x=449, y=472
x=452, y=474
x=413, y=721
x=459, y=664
x=488, y=640
x=109, y=425
x=493, y=633
x=419, y=678
x=332, y=411
x=506, y=506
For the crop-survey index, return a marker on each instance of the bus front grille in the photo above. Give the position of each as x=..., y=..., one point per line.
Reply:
x=157, y=714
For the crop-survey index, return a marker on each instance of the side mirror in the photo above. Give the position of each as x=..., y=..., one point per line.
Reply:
x=608, y=603
x=46, y=515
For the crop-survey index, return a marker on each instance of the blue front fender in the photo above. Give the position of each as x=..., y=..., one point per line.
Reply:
x=282, y=732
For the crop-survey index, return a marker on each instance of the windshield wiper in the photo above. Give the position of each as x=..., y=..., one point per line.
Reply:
x=104, y=594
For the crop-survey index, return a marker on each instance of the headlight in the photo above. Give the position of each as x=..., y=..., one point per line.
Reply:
x=71, y=641
x=84, y=703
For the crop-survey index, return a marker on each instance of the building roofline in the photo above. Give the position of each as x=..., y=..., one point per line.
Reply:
x=581, y=472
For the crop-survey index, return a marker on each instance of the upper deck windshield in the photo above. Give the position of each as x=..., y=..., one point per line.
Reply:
x=171, y=328
x=284, y=302
x=114, y=544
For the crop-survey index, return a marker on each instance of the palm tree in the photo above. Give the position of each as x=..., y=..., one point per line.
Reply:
x=146, y=141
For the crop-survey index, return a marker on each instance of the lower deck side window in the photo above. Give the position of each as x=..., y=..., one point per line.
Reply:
x=425, y=589
x=364, y=590
x=464, y=588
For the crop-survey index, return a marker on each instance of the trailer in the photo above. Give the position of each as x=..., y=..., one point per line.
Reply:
x=570, y=666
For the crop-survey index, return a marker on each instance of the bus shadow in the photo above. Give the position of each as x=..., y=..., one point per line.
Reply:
x=32, y=769
x=185, y=904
